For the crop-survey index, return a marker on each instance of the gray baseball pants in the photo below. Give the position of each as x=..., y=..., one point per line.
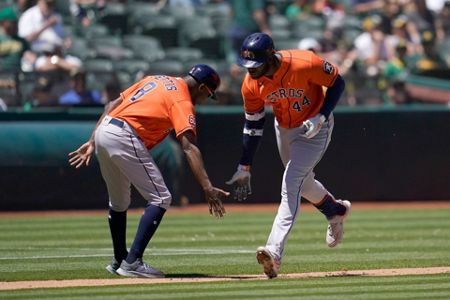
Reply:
x=125, y=160
x=299, y=156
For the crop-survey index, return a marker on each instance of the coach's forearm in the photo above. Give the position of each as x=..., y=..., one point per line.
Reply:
x=195, y=160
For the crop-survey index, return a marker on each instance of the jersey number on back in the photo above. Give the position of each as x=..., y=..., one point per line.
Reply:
x=146, y=88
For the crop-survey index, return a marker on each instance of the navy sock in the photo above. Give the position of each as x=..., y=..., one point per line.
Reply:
x=330, y=208
x=118, y=227
x=147, y=227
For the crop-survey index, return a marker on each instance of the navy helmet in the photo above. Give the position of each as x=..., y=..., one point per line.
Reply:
x=206, y=75
x=256, y=50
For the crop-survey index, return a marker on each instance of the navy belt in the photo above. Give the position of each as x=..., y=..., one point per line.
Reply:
x=116, y=122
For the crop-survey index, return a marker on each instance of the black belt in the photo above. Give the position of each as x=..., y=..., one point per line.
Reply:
x=116, y=122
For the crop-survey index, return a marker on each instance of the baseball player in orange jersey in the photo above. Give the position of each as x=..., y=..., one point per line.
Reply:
x=292, y=82
x=140, y=118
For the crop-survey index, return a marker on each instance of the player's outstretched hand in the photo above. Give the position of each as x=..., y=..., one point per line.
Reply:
x=241, y=183
x=214, y=197
x=311, y=127
x=82, y=155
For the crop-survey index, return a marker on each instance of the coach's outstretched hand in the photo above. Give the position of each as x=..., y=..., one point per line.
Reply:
x=241, y=183
x=214, y=197
x=82, y=155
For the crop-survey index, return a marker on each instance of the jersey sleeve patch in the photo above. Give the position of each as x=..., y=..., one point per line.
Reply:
x=192, y=120
x=327, y=67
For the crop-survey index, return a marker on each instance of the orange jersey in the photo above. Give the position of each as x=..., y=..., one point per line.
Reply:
x=296, y=89
x=156, y=105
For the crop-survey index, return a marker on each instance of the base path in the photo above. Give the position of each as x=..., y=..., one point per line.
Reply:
x=19, y=285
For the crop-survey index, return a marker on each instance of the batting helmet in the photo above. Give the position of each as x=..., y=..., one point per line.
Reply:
x=206, y=75
x=255, y=50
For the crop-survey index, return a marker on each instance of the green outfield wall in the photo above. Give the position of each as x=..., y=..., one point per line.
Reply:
x=376, y=154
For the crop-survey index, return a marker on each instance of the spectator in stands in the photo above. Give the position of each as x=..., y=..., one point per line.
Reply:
x=421, y=16
x=404, y=30
x=79, y=94
x=247, y=16
x=369, y=48
x=12, y=47
x=310, y=44
x=443, y=23
x=298, y=9
x=366, y=7
x=42, y=93
x=23, y=5
x=41, y=25
x=53, y=58
x=366, y=58
x=85, y=11
x=430, y=59
x=394, y=75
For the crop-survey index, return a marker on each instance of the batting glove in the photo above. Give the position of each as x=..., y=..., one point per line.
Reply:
x=241, y=182
x=311, y=127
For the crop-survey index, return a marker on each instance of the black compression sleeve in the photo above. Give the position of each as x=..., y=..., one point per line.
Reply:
x=332, y=96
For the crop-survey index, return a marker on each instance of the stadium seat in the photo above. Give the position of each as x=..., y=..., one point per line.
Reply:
x=115, y=17
x=131, y=66
x=277, y=21
x=162, y=27
x=286, y=44
x=200, y=33
x=107, y=40
x=112, y=52
x=184, y=54
x=94, y=65
x=167, y=67
x=80, y=48
x=144, y=47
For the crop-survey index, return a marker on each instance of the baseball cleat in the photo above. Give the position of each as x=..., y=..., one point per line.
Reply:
x=113, y=266
x=139, y=269
x=335, y=230
x=270, y=265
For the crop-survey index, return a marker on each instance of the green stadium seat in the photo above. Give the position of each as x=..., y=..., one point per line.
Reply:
x=144, y=47
x=131, y=66
x=115, y=17
x=278, y=21
x=162, y=27
x=96, y=65
x=167, y=67
x=184, y=54
x=80, y=48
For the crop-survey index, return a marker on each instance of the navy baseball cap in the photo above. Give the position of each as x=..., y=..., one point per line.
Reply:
x=256, y=50
x=206, y=75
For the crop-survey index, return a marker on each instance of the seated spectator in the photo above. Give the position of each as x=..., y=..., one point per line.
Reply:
x=79, y=94
x=298, y=9
x=53, y=58
x=310, y=44
x=23, y=5
x=85, y=11
x=42, y=93
x=12, y=47
x=41, y=25
x=443, y=23
x=394, y=75
x=430, y=59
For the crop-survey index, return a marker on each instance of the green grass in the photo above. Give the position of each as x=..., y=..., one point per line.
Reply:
x=76, y=247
